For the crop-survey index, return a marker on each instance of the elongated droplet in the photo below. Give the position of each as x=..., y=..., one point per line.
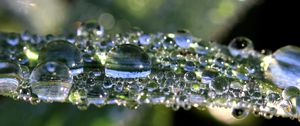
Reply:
x=284, y=67
x=51, y=81
x=9, y=77
x=127, y=61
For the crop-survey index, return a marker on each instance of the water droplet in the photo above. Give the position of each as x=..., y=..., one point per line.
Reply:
x=64, y=52
x=208, y=75
x=240, y=113
x=284, y=68
x=145, y=39
x=51, y=81
x=189, y=66
x=290, y=92
x=12, y=39
x=190, y=76
x=183, y=39
x=127, y=61
x=240, y=46
x=90, y=28
x=220, y=85
x=10, y=73
x=168, y=42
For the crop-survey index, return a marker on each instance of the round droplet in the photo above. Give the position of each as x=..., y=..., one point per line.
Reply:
x=51, y=81
x=183, y=39
x=127, y=61
x=284, y=67
x=240, y=113
x=290, y=92
x=12, y=39
x=220, y=85
x=10, y=73
x=190, y=76
x=145, y=39
x=64, y=52
x=208, y=75
x=240, y=46
x=90, y=28
x=168, y=43
x=189, y=66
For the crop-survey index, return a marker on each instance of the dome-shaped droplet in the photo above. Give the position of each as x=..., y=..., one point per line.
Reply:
x=10, y=74
x=168, y=42
x=208, y=75
x=240, y=113
x=127, y=61
x=90, y=28
x=51, y=81
x=290, y=92
x=145, y=39
x=183, y=39
x=241, y=46
x=220, y=85
x=284, y=67
x=12, y=39
x=64, y=52
x=189, y=66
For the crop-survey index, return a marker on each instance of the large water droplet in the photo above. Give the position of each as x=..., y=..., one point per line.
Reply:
x=9, y=77
x=64, y=52
x=284, y=67
x=290, y=92
x=241, y=46
x=51, y=81
x=240, y=113
x=127, y=61
x=183, y=39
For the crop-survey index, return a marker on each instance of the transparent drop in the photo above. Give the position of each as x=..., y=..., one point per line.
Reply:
x=12, y=39
x=10, y=75
x=90, y=28
x=51, y=81
x=190, y=76
x=240, y=113
x=183, y=39
x=145, y=39
x=241, y=46
x=64, y=52
x=284, y=67
x=220, y=85
x=168, y=43
x=189, y=66
x=208, y=75
x=127, y=61
x=290, y=92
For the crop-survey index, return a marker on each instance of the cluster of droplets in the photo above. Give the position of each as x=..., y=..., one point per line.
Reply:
x=135, y=68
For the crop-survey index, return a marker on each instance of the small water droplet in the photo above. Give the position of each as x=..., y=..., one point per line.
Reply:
x=189, y=66
x=240, y=46
x=145, y=39
x=220, y=85
x=90, y=28
x=290, y=92
x=240, y=113
x=183, y=39
x=127, y=61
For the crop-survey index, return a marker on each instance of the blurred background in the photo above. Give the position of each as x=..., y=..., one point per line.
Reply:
x=269, y=23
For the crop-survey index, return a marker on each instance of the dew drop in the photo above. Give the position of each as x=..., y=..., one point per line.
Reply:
x=240, y=46
x=290, y=92
x=51, y=81
x=240, y=113
x=127, y=61
x=220, y=85
x=145, y=39
x=284, y=68
x=10, y=74
x=183, y=39
x=64, y=52
x=90, y=28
